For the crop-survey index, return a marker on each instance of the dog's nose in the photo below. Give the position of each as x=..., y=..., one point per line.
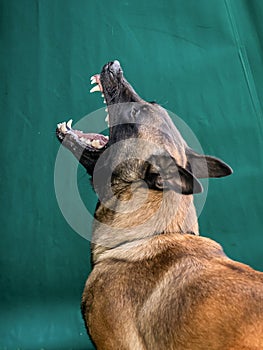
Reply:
x=115, y=66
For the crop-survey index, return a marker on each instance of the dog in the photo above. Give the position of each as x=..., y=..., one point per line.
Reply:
x=156, y=284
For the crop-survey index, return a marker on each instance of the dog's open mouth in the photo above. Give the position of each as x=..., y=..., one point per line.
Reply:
x=92, y=141
x=114, y=90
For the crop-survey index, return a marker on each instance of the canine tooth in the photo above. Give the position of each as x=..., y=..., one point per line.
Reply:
x=107, y=120
x=69, y=123
x=95, y=88
x=102, y=95
x=87, y=141
x=106, y=137
x=106, y=109
x=63, y=127
x=95, y=143
x=58, y=125
x=104, y=101
x=93, y=80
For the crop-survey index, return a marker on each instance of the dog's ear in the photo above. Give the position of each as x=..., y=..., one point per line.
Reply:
x=203, y=166
x=163, y=173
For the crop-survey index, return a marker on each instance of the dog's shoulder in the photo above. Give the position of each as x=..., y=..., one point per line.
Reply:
x=200, y=257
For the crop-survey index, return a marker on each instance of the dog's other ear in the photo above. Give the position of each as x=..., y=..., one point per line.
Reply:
x=163, y=173
x=203, y=166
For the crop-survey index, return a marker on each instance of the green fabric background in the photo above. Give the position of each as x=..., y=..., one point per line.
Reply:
x=201, y=59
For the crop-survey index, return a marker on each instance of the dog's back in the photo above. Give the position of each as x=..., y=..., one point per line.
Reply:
x=173, y=292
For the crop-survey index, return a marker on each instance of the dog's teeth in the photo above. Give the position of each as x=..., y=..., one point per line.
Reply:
x=85, y=140
x=104, y=101
x=69, y=124
x=106, y=137
x=95, y=88
x=59, y=125
x=102, y=95
x=93, y=77
x=107, y=120
x=96, y=144
x=106, y=109
x=93, y=80
x=63, y=127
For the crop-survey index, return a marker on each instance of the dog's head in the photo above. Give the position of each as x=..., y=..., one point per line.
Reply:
x=143, y=143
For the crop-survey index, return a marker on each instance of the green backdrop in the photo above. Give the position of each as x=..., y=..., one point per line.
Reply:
x=201, y=59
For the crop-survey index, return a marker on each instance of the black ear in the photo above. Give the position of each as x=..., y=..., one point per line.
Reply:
x=206, y=166
x=162, y=173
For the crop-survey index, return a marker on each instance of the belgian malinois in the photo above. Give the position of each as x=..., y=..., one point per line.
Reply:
x=155, y=283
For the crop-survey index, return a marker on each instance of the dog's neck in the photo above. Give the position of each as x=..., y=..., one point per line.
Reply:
x=138, y=213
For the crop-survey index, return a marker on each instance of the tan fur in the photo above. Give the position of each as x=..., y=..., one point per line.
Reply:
x=173, y=292
x=155, y=284
x=153, y=213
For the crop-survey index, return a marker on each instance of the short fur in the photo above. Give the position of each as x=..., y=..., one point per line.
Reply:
x=156, y=284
